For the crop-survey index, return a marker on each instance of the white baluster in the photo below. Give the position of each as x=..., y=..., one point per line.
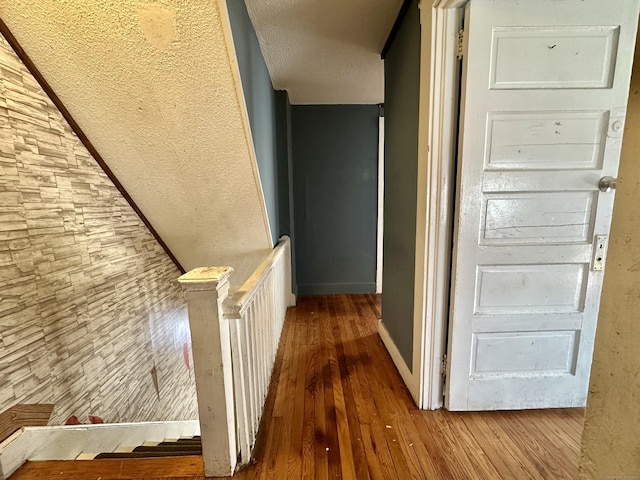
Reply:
x=260, y=310
x=254, y=368
x=241, y=357
x=240, y=381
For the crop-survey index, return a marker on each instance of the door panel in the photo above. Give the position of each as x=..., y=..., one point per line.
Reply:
x=545, y=140
x=490, y=350
x=578, y=57
x=530, y=289
x=545, y=85
x=537, y=217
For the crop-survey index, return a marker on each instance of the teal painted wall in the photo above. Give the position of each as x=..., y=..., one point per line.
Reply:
x=285, y=175
x=335, y=190
x=260, y=98
x=402, y=92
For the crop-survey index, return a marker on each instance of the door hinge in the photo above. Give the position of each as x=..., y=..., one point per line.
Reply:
x=444, y=365
x=460, y=49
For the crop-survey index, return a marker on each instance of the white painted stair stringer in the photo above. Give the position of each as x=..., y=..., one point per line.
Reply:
x=67, y=442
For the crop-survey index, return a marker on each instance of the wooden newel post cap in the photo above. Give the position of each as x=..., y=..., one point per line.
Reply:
x=205, y=278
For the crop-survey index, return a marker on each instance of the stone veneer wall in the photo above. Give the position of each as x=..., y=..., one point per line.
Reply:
x=91, y=316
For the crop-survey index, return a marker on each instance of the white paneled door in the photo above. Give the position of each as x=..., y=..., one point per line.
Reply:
x=544, y=93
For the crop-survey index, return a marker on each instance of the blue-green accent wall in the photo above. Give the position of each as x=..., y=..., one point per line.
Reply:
x=285, y=175
x=402, y=93
x=335, y=192
x=260, y=98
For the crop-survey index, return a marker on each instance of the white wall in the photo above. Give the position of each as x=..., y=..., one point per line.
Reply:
x=156, y=91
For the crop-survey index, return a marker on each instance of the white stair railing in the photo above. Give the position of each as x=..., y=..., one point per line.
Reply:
x=234, y=343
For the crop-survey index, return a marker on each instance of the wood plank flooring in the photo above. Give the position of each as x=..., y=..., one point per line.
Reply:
x=337, y=408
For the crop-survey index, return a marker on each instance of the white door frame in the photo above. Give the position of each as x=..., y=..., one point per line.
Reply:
x=437, y=137
x=380, y=204
x=438, y=125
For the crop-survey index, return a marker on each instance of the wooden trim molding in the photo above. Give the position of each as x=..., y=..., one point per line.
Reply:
x=17, y=48
x=422, y=195
x=449, y=4
x=433, y=247
x=380, y=225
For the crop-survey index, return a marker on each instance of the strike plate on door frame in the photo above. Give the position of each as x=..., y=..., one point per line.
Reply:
x=599, y=252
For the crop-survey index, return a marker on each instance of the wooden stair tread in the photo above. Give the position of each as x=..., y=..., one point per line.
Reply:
x=124, y=448
x=180, y=444
x=146, y=454
x=86, y=456
x=169, y=448
x=24, y=415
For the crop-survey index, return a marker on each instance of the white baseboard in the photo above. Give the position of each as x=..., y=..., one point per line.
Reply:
x=67, y=442
x=403, y=369
x=291, y=302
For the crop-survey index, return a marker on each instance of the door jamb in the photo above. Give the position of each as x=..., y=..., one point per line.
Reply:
x=438, y=122
x=380, y=231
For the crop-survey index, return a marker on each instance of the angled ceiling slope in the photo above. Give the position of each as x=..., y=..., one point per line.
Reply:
x=152, y=86
x=325, y=52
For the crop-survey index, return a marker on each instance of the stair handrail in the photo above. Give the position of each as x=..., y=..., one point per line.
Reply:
x=228, y=424
x=238, y=302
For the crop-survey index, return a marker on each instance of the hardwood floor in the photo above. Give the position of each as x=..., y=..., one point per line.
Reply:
x=337, y=408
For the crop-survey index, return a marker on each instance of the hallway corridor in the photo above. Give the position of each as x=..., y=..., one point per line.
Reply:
x=337, y=408
x=340, y=410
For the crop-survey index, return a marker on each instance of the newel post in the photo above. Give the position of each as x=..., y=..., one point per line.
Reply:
x=206, y=289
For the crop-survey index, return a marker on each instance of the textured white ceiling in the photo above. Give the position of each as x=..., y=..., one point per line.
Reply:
x=325, y=51
x=152, y=86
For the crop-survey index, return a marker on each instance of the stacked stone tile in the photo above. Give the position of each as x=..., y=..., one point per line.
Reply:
x=89, y=303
